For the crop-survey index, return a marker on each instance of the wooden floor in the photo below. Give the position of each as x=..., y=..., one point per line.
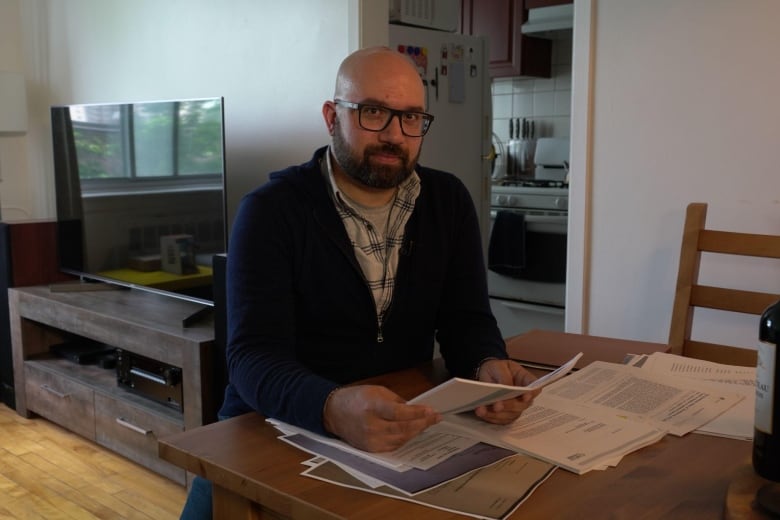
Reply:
x=49, y=473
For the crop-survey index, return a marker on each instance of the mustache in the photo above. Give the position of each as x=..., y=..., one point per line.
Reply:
x=387, y=148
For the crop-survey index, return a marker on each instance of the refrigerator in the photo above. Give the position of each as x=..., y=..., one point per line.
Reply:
x=454, y=70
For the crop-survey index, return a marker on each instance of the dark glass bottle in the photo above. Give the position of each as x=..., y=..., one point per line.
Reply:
x=766, y=439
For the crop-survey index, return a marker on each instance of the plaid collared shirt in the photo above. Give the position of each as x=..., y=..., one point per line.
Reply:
x=376, y=235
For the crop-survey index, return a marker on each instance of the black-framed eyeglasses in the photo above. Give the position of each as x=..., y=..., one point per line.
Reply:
x=376, y=118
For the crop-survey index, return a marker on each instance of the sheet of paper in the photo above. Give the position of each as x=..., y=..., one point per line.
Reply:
x=563, y=433
x=493, y=492
x=674, y=404
x=409, y=482
x=422, y=452
x=734, y=423
x=461, y=395
x=700, y=369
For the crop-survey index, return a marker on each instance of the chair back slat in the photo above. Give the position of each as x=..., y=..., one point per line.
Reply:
x=729, y=242
x=689, y=294
x=733, y=300
x=724, y=354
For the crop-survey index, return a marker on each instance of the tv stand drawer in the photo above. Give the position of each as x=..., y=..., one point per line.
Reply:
x=61, y=400
x=133, y=432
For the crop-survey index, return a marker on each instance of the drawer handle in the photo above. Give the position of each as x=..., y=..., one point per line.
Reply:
x=55, y=392
x=148, y=375
x=121, y=421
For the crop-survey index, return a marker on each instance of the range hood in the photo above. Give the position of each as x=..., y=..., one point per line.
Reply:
x=549, y=20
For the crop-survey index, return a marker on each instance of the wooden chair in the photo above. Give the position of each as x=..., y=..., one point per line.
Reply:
x=689, y=294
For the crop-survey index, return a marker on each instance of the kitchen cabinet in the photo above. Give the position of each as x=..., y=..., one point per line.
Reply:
x=531, y=4
x=511, y=52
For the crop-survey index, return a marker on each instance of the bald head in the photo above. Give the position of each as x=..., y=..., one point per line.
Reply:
x=370, y=163
x=379, y=74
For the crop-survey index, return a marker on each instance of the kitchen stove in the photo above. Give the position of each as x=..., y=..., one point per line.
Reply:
x=533, y=296
x=531, y=183
x=530, y=195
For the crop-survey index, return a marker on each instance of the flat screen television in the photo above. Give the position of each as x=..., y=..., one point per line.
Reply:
x=140, y=190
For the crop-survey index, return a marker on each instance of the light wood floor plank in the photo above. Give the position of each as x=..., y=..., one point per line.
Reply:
x=18, y=509
x=98, y=505
x=48, y=504
x=49, y=473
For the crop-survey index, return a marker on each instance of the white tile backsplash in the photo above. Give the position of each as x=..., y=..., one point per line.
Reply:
x=562, y=76
x=544, y=104
x=502, y=104
x=501, y=87
x=546, y=101
x=543, y=84
x=523, y=103
x=562, y=103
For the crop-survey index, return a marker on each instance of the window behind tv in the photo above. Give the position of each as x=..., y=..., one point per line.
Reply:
x=130, y=177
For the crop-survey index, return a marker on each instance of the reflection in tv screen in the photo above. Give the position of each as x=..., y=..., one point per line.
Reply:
x=140, y=193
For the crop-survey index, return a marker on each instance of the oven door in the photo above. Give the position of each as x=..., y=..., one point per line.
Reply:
x=536, y=296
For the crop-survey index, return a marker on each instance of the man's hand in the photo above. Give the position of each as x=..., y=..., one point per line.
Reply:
x=505, y=372
x=373, y=418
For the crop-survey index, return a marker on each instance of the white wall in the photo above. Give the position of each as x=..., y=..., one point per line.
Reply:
x=682, y=100
x=274, y=62
x=14, y=194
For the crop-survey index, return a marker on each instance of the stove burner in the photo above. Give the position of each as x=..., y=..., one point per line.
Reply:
x=533, y=183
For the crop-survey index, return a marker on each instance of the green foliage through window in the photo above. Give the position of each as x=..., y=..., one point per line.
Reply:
x=148, y=140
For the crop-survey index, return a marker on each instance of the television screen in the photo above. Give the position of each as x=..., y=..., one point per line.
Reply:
x=140, y=193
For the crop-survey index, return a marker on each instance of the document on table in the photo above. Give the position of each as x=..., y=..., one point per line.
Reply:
x=588, y=420
x=668, y=403
x=458, y=395
x=408, y=482
x=563, y=433
x=493, y=492
x=593, y=417
x=737, y=421
x=422, y=452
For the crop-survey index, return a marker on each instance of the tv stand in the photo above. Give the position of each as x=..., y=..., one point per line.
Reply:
x=84, y=285
x=206, y=313
x=87, y=399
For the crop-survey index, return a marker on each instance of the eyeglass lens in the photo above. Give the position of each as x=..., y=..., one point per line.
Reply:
x=376, y=119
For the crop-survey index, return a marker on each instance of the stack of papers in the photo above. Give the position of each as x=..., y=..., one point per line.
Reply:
x=444, y=471
x=586, y=421
x=736, y=422
x=441, y=469
x=492, y=493
x=592, y=418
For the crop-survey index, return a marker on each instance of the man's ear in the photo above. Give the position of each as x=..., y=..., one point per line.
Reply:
x=329, y=115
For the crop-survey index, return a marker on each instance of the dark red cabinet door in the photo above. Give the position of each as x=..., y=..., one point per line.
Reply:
x=511, y=52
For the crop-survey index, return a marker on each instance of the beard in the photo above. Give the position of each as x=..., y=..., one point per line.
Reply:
x=361, y=169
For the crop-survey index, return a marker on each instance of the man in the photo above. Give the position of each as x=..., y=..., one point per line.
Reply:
x=349, y=266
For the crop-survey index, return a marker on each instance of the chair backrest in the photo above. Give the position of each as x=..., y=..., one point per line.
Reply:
x=689, y=294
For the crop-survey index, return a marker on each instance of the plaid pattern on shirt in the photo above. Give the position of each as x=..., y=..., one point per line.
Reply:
x=377, y=246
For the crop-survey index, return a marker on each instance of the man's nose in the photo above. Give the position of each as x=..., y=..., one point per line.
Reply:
x=393, y=131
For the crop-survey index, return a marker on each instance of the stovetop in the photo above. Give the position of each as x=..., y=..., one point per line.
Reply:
x=530, y=183
x=550, y=195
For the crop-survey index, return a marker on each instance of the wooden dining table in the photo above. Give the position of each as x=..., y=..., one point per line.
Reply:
x=255, y=475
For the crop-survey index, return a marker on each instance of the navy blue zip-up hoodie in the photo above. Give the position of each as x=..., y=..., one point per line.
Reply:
x=301, y=319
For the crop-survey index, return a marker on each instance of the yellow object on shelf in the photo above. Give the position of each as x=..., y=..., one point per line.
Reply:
x=162, y=279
